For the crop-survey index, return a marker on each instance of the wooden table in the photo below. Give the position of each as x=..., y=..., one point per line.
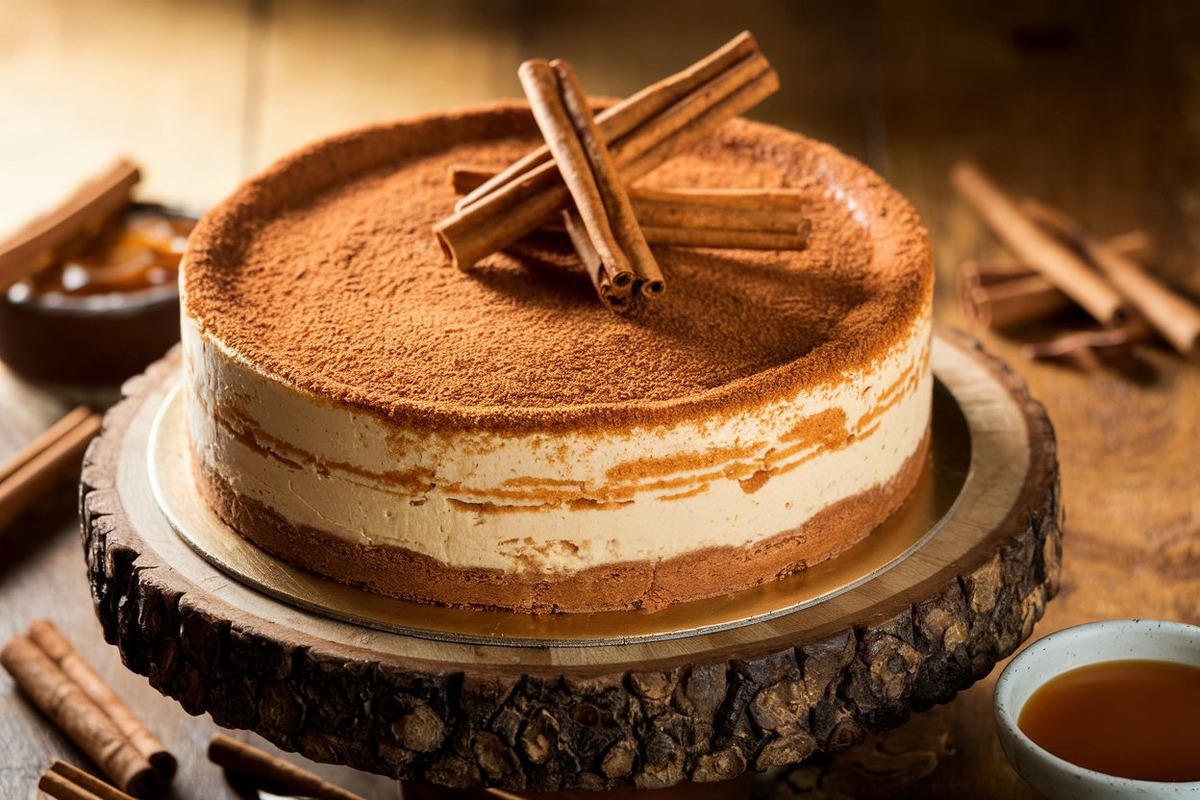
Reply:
x=1094, y=107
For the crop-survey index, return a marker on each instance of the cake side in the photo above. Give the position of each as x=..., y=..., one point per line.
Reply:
x=545, y=509
x=646, y=585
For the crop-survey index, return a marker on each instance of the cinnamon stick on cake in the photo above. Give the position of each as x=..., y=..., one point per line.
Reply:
x=562, y=113
x=751, y=219
x=651, y=126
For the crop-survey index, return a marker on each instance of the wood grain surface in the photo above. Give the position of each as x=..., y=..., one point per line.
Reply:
x=1094, y=107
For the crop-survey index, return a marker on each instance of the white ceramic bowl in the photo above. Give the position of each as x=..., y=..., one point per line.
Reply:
x=1096, y=642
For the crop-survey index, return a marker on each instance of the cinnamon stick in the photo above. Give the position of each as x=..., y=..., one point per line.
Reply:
x=530, y=199
x=728, y=237
x=67, y=782
x=1175, y=317
x=687, y=213
x=1006, y=307
x=84, y=722
x=612, y=191
x=245, y=759
x=46, y=635
x=1137, y=245
x=616, y=296
x=56, y=431
x=749, y=218
x=586, y=168
x=1012, y=302
x=45, y=463
x=34, y=245
x=1030, y=244
x=780, y=199
x=621, y=118
x=60, y=788
x=1085, y=345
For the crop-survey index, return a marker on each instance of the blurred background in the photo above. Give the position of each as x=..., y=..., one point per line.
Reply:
x=1100, y=97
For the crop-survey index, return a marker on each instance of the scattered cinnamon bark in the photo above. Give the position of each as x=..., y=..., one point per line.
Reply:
x=1008, y=303
x=78, y=716
x=65, y=781
x=587, y=169
x=1058, y=253
x=1041, y=251
x=274, y=773
x=1173, y=316
x=45, y=463
x=1087, y=346
x=669, y=115
x=988, y=300
x=46, y=635
x=1137, y=245
x=84, y=212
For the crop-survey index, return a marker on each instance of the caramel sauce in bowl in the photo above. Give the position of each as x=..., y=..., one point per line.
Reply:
x=104, y=308
x=1105, y=710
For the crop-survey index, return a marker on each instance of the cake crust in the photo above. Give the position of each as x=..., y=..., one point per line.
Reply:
x=408, y=575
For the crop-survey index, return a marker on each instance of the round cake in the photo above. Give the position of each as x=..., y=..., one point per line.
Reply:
x=495, y=437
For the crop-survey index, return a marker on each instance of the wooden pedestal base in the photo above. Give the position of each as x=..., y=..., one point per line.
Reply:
x=537, y=715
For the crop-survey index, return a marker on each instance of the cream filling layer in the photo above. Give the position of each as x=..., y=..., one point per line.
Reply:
x=556, y=502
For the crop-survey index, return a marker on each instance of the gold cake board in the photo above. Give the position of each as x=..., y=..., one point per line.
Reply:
x=703, y=692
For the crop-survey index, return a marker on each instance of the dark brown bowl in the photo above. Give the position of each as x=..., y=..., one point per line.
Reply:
x=92, y=340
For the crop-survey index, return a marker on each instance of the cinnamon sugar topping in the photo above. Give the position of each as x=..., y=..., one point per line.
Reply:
x=323, y=272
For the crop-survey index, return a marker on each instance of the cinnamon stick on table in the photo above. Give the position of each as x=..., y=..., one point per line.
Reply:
x=54, y=455
x=65, y=781
x=733, y=83
x=1008, y=303
x=44, y=633
x=1008, y=293
x=1040, y=250
x=84, y=722
x=33, y=246
x=1086, y=345
x=271, y=772
x=1171, y=314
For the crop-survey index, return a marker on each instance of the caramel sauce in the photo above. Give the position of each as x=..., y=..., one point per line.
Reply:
x=1132, y=719
x=139, y=250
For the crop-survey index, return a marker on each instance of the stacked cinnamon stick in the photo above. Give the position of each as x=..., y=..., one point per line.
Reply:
x=1061, y=263
x=64, y=781
x=65, y=687
x=244, y=763
x=749, y=219
x=28, y=476
x=578, y=180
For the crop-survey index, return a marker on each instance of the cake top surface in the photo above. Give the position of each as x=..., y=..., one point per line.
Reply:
x=324, y=272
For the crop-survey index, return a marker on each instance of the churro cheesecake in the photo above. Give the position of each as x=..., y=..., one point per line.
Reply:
x=497, y=438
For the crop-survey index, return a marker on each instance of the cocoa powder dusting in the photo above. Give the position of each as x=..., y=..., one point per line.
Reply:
x=324, y=271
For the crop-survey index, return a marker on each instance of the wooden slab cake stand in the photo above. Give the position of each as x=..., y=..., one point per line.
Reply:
x=703, y=692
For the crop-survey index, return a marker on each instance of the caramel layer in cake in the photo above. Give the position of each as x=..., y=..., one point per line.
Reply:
x=497, y=438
